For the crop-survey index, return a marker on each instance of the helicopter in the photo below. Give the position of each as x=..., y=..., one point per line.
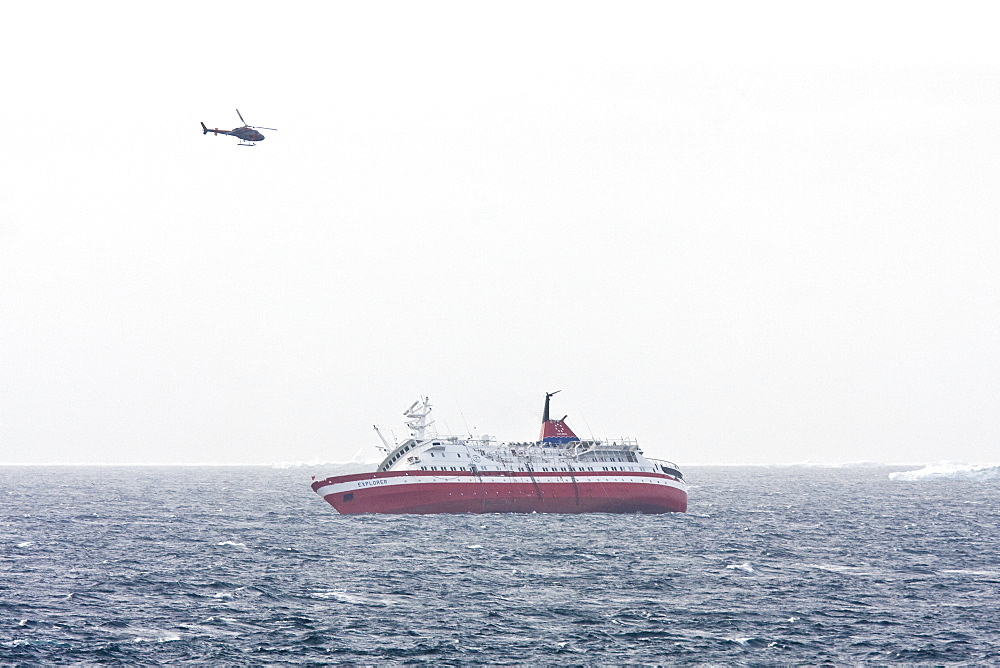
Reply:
x=247, y=134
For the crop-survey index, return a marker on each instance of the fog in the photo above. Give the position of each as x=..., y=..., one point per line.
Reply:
x=738, y=234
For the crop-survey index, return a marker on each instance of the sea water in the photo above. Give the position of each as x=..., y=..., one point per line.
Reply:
x=161, y=565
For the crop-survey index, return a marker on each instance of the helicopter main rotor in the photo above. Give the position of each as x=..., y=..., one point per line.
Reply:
x=255, y=127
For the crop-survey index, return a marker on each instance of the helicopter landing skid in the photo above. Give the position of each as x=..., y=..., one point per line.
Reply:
x=242, y=144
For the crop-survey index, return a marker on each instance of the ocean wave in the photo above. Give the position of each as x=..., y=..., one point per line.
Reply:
x=835, y=579
x=950, y=471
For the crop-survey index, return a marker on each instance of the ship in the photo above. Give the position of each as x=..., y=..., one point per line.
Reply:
x=430, y=473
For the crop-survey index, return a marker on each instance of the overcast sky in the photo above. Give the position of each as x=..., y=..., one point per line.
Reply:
x=739, y=232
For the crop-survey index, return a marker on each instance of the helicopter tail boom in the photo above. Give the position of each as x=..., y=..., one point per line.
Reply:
x=216, y=131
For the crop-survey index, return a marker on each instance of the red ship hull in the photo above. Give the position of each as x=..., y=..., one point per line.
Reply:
x=425, y=492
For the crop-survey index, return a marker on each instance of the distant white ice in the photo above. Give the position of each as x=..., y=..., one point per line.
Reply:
x=335, y=468
x=950, y=471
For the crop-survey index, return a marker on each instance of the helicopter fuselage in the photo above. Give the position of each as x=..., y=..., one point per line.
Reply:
x=246, y=134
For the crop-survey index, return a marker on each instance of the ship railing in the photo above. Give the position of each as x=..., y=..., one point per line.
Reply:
x=606, y=444
x=665, y=462
x=667, y=467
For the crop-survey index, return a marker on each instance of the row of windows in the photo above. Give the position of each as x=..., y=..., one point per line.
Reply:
x=398, y=455
x=588, y=468
x=554, y=470
x=407, y=449
x=459, y=455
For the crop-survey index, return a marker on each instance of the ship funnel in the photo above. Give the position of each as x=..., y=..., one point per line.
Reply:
x=555, y=431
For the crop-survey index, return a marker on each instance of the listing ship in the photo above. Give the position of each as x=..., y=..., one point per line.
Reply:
x=559, y=473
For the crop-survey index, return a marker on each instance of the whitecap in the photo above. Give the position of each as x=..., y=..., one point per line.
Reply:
x=347, y=597
x=967, y=571
x=155, y=635
x=26, y=543
x=745, y=567
x=474, y=547
x=158, y=639
x=838, y=568
x=234, y=544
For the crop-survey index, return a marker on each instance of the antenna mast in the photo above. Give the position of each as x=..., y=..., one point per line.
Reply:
x=387, y=448
x=548, y=395
x=418, y=415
